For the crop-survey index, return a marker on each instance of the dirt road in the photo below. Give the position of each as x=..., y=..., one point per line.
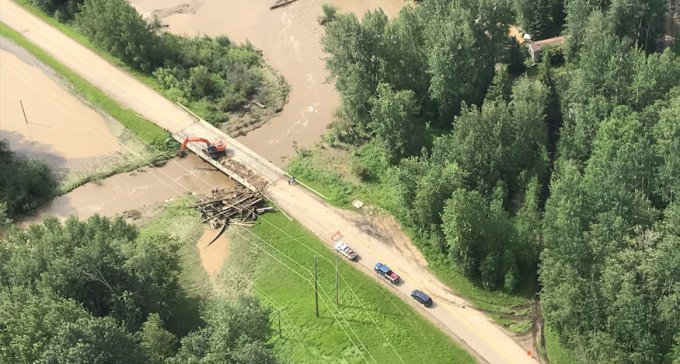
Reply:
x=483, y=337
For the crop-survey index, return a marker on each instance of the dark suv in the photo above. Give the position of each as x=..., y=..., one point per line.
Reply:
x=422, y=298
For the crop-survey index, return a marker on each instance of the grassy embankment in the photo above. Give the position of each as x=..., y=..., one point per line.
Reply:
x=148, y=132
x=329, y=170
x=557, y=354
x=239, y=123
x=266, y=260
x=277, y=257
x=184, y=223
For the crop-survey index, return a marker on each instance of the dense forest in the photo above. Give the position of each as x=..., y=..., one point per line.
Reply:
x=566, y=176
x=214, y=76
x=97, y=291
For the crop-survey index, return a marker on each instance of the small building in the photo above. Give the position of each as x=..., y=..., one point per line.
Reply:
x=536, y=47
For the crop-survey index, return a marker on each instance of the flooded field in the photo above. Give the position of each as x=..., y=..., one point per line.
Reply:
x=61, y=130
x=289, y=38
x=135, y=190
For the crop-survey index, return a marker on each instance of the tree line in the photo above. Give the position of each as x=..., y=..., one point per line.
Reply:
x=96, y=291
x=215, y=75
x=568, y=178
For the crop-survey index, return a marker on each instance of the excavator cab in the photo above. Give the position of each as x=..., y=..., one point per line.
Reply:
x=215, y=149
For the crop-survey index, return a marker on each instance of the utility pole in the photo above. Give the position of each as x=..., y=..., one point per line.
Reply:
x=316, y=290
x=278, y=314
x=336, y=278
x=25, y=119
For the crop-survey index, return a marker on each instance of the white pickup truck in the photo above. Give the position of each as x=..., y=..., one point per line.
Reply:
x=345, y=250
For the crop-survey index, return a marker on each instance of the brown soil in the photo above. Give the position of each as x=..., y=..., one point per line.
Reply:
x=214, y=254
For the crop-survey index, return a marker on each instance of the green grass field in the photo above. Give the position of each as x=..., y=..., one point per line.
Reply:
x=273, y=261
x=370, y=323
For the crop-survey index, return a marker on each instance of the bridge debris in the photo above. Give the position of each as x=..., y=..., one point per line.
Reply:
x=238, y=206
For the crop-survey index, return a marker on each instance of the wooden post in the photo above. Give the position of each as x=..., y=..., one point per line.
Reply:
x=316, y=290
x=25, y=119
x=336, y=279
x=278, y=314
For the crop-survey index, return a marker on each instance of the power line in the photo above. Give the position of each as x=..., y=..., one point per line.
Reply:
x=346, y=283
x=204, y=181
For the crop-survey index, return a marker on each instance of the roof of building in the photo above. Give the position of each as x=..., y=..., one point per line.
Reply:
x=538, y=45
x=516, y=33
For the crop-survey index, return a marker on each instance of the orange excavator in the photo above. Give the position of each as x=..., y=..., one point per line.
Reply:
x=215, y=149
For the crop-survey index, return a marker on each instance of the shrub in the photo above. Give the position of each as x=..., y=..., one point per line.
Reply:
x=24, y=184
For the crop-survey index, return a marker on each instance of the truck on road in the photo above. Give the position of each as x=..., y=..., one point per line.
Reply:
x=345, y=250
x=386, y=273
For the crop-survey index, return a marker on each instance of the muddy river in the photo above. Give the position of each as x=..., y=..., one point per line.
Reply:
x=67, y=133
x=137, y=189
x=289, y=38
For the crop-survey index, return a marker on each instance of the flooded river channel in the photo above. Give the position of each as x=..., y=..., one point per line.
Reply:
x=290, y=39
x=137, y=189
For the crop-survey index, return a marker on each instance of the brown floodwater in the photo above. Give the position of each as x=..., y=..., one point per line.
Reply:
x=214, y=254
x=136, y=190
x=61, y=130
x=289, y=38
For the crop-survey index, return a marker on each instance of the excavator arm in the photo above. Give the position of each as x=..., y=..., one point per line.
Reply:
x=214, y=149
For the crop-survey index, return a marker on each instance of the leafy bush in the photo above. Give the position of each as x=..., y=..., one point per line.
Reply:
x=195, y=70
x=329, y=13
x=24, y=184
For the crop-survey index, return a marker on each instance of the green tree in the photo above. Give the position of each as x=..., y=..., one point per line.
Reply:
x=92, y=340
x=355, y=51
x=24, y=184
x=479, y=236
x=63, y=10
x=116, y=27
x=502, y=142
x=396, y=123
x=157, y=343
x=534, y=17
x=465, y=220
x=100, y=264
x=404, y=66
x=235, y=333
x=501, y=86
x=5, y=221
x=667, y=134
x=578, y=13
x=460, y=69
x=30, y=322
x=640, y=20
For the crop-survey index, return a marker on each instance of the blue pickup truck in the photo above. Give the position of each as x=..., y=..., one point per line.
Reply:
x=386, y=273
